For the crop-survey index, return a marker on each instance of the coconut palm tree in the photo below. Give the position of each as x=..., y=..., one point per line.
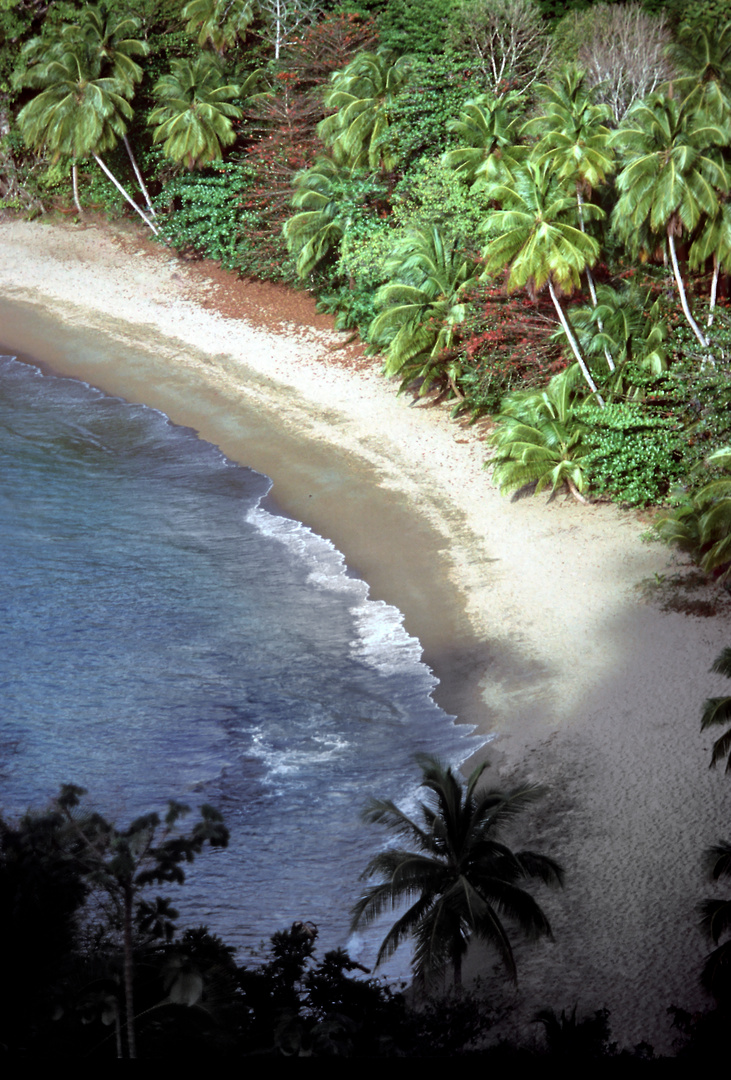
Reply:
x=78, y=112
x=487, y=130
x=104, y=45
x=219, y=22
x=194, y=116
x=539, y=439
x=717, y=710
x=574, y=139
x=460, y=879
x=672, y=177
x=625, y=327
x=534, y=236
x=315, y=233
x=422, y=307
x=363, y=94
x=703, y=56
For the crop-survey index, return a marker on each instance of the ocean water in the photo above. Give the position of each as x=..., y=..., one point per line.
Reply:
x=165, y=635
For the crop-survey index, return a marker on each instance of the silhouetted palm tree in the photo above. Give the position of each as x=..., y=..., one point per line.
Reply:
x=461, y=880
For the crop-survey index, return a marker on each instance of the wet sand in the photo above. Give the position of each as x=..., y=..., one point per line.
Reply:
x=529, y=611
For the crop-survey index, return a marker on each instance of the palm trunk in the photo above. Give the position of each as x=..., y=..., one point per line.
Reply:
x=138, y=174
x=592, y=290
x=75, y=185
x=574, y=344
x=122, y=191
x=714, y=289
x=681, y=289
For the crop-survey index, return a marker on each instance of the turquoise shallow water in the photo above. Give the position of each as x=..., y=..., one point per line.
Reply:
x=164, y=635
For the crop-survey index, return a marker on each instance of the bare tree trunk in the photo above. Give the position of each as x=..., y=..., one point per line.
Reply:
x=681, y=289
x=138, y=174
x=122, y=191
x=574, y=344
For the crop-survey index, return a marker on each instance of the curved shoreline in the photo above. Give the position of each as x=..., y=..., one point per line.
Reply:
x=535, y=604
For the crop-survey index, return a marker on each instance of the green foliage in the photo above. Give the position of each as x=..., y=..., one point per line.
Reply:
x=633, y=455
x=487, y=132
x=363, y=94
x=193, y=119
x=333, y=199
x=421, y=307
x=460, y=880
x=437, y=90
x=219, y=23
x=415, y=26
x=540, y=438
x=205, y=212
x=701, y=523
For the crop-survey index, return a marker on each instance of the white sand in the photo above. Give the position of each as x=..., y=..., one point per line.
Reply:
x=590, y=690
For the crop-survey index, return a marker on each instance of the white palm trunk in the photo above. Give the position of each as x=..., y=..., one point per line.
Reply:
x=123, y=192
x=681, y=290
x=574, y=344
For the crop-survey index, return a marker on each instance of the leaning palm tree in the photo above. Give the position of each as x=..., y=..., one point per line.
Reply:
x=193, y=119
x=103, y=44
x=533, y=234
x=78, y=113
x=574, y=139
x=460, y=878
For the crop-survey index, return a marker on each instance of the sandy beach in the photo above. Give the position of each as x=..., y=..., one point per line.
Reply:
x=532, y=613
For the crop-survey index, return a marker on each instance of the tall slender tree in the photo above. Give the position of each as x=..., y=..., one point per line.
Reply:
x=672, y=178
x=534, y=236
x=78, y=112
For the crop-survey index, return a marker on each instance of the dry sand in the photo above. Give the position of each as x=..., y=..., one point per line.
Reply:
x=586, y=686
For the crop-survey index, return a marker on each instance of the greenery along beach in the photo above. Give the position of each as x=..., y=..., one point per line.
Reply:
x=391, y=188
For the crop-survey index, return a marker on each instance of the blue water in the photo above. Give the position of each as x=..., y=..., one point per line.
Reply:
x=164, y=636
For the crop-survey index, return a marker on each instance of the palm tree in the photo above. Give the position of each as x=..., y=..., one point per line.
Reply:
x=422, y=307
x=703, y=55
x=623, y=326
x=717, y=710
x=533, y=235
x=363, y=94
x=194, y=113
x=487, y=131
x=315, y=233
x=575, y=140
x=461, y=880
x=78, y=113
x=671, y=179
x=540, y=439
x=102, y=45
x=218, y=22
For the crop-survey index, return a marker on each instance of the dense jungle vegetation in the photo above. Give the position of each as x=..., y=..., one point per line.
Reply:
x=522, y=205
